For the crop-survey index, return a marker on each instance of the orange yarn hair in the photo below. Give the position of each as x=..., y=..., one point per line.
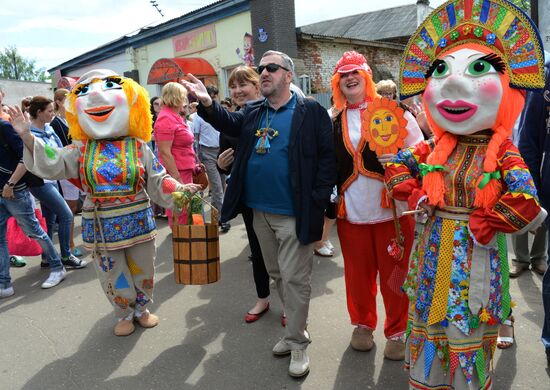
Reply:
x=510, y=108
x=339, y=98
x=140, y=121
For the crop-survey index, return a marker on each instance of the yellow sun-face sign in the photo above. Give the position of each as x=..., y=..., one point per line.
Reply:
x=384, y=126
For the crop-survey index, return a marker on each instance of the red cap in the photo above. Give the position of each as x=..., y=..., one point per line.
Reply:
x=350, y=61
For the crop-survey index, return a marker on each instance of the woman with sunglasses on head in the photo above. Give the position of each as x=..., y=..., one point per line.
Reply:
x=244, y=84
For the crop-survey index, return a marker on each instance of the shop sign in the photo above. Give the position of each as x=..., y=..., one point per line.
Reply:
x=196, y=40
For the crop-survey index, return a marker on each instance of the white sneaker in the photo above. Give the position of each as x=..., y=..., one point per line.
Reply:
x=329, y=245
x=299, y=363
x=6, y=292
x=55, y=278
x=324, y=251
x=281, y=348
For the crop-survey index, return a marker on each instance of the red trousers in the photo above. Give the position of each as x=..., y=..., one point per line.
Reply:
x=365, y=251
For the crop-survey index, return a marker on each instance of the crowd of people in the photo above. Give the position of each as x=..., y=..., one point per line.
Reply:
x=291, y=168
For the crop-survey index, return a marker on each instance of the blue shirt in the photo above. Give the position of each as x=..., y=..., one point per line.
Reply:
x=47, y=135
x=206, y=134
x=267, y=182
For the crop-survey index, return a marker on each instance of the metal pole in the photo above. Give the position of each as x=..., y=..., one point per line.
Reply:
x=535, y=11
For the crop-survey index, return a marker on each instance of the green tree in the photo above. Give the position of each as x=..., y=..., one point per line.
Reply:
x=15, y=67
x=524, y=5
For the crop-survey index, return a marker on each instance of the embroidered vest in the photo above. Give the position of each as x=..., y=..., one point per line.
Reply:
x=111, y=169
x=353, y=161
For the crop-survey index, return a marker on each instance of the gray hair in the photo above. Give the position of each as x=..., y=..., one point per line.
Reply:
x=286, y=59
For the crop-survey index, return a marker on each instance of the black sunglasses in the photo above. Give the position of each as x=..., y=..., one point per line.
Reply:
x=271, y=68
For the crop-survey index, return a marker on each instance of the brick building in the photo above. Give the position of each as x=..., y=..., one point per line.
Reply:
x=320, y=55
x=380, y=36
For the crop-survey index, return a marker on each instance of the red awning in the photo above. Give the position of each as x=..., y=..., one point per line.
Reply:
x=165, y=70
x=67, y=82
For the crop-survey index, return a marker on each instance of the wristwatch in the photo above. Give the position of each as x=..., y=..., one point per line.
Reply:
x=10, y=184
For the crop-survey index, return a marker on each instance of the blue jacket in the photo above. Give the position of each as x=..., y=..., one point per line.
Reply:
x=312, y=161
x=534, y=138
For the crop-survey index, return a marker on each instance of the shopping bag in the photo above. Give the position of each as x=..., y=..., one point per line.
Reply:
x=18, y=243
x=200, y=176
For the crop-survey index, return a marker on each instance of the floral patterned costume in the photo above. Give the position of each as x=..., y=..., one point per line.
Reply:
x=458, y=289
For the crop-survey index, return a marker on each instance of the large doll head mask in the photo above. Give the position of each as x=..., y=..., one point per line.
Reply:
x=104, y=105
x=469, y=59
x=464, y=91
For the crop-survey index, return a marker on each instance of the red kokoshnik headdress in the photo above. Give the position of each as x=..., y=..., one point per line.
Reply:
x=496, y=24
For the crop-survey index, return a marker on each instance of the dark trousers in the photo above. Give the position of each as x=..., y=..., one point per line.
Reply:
x=261, y=277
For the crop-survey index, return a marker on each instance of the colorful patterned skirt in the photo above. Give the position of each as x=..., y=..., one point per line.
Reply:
x=459, y=295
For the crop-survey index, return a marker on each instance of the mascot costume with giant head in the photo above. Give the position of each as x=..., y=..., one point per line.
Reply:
x=110, y=124
x=470, y=60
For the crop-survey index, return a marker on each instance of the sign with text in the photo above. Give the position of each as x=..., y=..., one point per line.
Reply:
x=196, y=40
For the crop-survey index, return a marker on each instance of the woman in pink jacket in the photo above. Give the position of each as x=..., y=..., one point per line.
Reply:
x=175, y=139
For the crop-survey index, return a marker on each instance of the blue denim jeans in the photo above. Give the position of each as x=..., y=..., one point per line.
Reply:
x=546, y=298
x=53, y=205
x=21, y=208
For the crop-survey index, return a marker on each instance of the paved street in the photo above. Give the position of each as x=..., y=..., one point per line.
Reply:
x=62, y=338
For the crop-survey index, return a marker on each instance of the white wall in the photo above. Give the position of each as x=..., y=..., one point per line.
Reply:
x=16, y=90
x=119, y=63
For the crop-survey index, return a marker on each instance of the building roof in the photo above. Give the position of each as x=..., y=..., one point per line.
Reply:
x=371, y=26
x=189, y=21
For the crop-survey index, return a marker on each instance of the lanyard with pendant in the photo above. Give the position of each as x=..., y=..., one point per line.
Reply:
x=266, y=134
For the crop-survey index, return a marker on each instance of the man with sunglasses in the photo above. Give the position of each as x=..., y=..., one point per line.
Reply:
x=284, y=170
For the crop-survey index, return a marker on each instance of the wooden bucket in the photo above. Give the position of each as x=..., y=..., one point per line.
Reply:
x=196, y=251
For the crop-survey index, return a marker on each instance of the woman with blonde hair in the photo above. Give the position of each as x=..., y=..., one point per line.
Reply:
x=388, y=89
x=174, y=138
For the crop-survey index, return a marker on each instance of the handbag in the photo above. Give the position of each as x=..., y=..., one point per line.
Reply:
x=18, y=243
x=200, y=176
x=196, y=250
